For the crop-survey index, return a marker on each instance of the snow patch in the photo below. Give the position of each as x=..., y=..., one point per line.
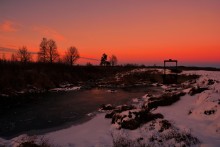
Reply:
x=112, y=90
x=65, y=89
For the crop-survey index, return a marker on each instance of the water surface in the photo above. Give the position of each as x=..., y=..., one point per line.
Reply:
x=51, y=110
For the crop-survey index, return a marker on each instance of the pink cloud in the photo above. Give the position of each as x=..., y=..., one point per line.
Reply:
x=48, y=32
x=8, y=26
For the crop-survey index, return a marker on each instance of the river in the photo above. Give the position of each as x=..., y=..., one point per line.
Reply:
x=57, y=109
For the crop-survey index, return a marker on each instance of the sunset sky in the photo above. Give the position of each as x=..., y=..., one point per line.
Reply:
x=136, y=31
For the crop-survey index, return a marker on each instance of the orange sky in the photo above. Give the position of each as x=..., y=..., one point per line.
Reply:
x=142, y=32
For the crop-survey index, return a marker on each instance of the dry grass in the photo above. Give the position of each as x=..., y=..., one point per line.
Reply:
x=34, y=141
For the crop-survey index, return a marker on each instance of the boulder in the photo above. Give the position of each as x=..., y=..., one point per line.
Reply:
x=196, y=90
x=106, y=107
x=132, y=119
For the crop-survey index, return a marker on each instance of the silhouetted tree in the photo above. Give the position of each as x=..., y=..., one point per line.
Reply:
x=52, y=50
x=89, y=64
x=48, y=51
x=3, y=57
x=59, y=60
x=113, y=60
x=13, y=58
x=103, y=60
x=71, y=55
x=23, y=55
x=43, y=53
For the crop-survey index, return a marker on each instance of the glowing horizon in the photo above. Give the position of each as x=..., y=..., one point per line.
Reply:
x=142, y=32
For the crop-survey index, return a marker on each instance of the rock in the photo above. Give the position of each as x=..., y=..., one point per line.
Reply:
x=164, y=125
x=211, y=82
x=196, y=90
x=110, y=114
x=209, y=112
x=132, y=119
x=106, y=107
x=122, y=108
x=118, y=109
x=130, y=124
x=164, y=100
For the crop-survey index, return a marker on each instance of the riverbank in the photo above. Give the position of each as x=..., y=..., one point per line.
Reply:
x=22, y=112
x=191, y=121
x=32, y=78
x=17, y=78
x=183, y=122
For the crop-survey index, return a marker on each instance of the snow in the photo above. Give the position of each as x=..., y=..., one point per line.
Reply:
x=13, y=142
x=65, y=89
x=140, y=70
x=164, y=87
x=112, y=90
x=127, y=112
x=145, y=97
x=186, y=115
x=187, y=90
x=154, y=84
x=92, y=133
x=135, y=100
x=179, y=114
x=4, y=95
x=143, y=135
x=189, y=111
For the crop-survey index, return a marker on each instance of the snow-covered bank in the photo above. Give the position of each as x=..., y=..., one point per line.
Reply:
x=192, y=117
x=199, y=113
x=92, y=133
x=179, y=115
x=95, y=133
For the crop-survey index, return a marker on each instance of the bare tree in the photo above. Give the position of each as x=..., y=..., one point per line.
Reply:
x=48, y=51
x=113, y=60
x=3, y=57
x=13, y=58
x=43, y=53
x=89, y=64
x=52, y=51
x=72, y=55
x=23, y=55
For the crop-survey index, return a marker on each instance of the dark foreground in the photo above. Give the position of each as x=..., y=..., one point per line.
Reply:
x=37, y=109
x=51, y=110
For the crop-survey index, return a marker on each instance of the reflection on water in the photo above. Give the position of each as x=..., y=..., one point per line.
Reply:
x=55, y=109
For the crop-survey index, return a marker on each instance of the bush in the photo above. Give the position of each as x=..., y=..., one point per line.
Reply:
x=125, y=142
x=33, y=141
x=172, y=137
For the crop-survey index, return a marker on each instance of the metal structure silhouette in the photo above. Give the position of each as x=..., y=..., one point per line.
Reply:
x=172, y=77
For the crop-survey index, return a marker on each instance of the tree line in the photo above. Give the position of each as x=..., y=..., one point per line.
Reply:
x=48, y=53
x=112, y=61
